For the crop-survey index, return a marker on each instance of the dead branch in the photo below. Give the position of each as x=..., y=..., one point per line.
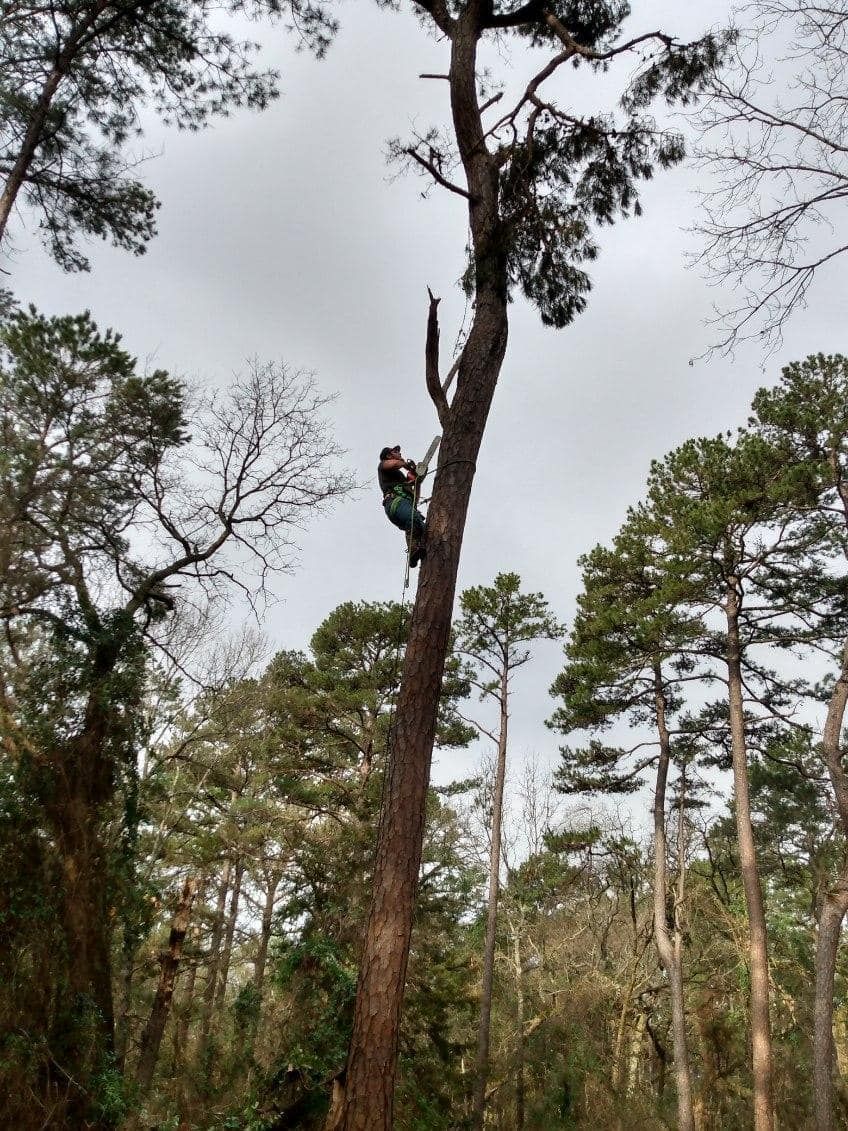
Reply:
x=436, y=175
x=431, y=360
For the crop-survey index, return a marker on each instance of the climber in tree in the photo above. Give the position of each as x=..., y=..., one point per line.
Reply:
x=398, y=478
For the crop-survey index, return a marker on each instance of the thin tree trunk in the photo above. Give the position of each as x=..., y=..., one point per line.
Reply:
x=41, y=110
x=169, y=962
x=29, y=145
x=670, y=952
x=227, y=952
x=260, y=962
x=832, y=913
x=636, y=1040
x=370, y=1076
x=482, y=1062
x=182, y=1072
x=761, y=1047
x=831, y=917
x=122, y=1013
x=519, y=1018
x=621, y=1029
x=261, y=959
x=212, y=968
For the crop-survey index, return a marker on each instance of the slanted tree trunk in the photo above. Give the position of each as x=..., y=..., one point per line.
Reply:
x=30, y=142
x=832, y=913
x=35, y=131
x=370, y=1075
x=169, y=963
x=482, y=1062
x=761, y=1048
x=670, y=950
x=272, y=878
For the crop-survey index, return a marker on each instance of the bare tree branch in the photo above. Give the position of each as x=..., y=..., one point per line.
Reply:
x=774, y=135
x=431, y=356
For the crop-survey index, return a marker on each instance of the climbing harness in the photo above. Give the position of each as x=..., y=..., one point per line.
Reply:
x=397, y=494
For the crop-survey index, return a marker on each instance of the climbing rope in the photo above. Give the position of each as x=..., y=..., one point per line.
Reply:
x=451, y=462
x=398, y=643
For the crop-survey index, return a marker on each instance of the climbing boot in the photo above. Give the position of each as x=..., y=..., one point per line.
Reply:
x=418, y=553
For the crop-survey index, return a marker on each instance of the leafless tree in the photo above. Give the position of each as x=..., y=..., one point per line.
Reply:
x=115, y=515
x=774, y=138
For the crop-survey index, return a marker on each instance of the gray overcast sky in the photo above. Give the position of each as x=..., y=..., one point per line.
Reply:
x=284, y=235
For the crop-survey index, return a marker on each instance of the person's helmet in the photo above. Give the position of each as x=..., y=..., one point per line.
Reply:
x=386, y=453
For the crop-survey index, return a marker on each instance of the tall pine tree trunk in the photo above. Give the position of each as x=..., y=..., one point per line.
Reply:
x=670, y=951
x=832, y=912
x=482, y=1062
x=372, y=1061
x=761, y=1046
x=82, y=1040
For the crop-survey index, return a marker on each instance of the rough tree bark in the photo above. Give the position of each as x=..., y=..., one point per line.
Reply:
x=832, y=913
x=169, y=963
x=761, y=1047
x=482, y=1062
x=495, y=236
x=670, y=950
x=370, y=1074
x=273, y=879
